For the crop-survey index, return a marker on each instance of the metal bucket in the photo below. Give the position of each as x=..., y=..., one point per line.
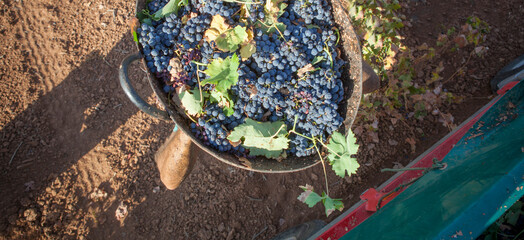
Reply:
x=352, y=82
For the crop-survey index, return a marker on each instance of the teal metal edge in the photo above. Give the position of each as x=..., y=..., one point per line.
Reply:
x=509, y=188
x=484, y=170
x=477, y=218
x=384, y=184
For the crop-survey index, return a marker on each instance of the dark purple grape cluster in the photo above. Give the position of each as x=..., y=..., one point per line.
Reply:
x=269, y=87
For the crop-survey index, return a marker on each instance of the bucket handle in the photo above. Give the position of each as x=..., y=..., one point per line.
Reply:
x=132, y=94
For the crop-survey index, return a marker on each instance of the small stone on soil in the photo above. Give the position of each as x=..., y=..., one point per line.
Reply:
x=30, y=214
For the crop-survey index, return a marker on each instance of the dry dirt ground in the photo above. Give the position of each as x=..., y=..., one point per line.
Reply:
x=74, y=149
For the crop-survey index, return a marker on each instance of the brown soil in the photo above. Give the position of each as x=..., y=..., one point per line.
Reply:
x=74, y=149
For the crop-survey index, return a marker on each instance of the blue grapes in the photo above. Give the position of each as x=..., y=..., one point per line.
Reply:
x=193, y=32
x=312, y=11
x=214, y=7
x=269, y=87
x=154, y=6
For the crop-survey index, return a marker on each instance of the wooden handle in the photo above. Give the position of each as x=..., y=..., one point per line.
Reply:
x=173, y=160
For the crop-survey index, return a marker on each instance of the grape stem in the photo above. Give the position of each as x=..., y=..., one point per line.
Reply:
x=274, y=135
x=323, y=167
x=338, y=35
x=243, y=2
x=282, y=35
x=329, y=148
x=199, y=87
x=275, y=26
x=199, y=64
x=326, y=49
x=314, y=140
x=189, y=116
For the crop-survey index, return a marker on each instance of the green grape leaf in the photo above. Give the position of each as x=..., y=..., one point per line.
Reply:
x=267, y=137
x=308, y=196
x=351, y=142
x=344, y=163
x=224, y=101
x=311, y=198
x=268, y=27
x=341, y=148
x=253, y=151
x=222, y=72
x=191, y=101
x=317, y=59
x=229, y=40
x=228, y=111
x=171, y=7
x=145, y=17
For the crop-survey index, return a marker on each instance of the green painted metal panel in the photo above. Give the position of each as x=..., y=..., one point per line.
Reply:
x=483, y=178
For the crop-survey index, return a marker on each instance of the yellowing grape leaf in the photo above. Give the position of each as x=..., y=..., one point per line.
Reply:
x=308, y=196
x=273, y=9
x=134, y=24
x=331, y=204
x=305, y=69
x=222, y=72
x=250, y=35
x=247, y=50
x=311, y=198
x=218, y=26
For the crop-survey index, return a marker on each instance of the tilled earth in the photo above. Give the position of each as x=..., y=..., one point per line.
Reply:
x=74, y=149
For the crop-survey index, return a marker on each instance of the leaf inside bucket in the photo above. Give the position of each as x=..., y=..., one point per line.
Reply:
x=261, y=138
x=222, y=72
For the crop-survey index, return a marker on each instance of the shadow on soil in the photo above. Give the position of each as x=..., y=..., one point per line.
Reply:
x=62, y=126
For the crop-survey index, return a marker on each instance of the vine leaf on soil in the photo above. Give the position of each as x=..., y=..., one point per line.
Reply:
x=191, y=101
x=262, y=138
x=223, y=73
x=311, y=198
x=341, y=149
